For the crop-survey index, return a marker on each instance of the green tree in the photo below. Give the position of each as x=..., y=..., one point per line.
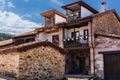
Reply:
x=5, y=36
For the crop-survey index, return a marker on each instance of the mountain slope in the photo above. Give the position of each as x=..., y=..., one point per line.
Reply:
x=4, y=36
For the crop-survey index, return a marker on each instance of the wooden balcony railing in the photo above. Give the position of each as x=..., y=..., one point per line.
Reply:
x=72, y=19
x=72, y=43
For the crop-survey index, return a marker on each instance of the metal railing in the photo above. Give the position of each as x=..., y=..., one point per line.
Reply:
x=71, y=42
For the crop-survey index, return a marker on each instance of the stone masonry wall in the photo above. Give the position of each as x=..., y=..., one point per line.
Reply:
x=42, y=63
x=107, y=23
x=104, y=44
x=9, y=64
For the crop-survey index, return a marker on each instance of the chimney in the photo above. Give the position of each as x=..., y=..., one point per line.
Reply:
x=103, y=6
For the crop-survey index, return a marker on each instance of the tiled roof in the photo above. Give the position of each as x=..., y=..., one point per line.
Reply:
x=52, y=12
x=6, y=42
x=108, y=35
x=47, y=30
x=112, y=10
x=31, y=45
x=26, y=34
x=76, y=5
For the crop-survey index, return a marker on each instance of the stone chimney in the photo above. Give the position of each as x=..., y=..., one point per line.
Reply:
x=103, y=6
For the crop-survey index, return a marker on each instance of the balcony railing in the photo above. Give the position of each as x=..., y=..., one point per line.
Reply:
x=72, y=18
x=78, y=42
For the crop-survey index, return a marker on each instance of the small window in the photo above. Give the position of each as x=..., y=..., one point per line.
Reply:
x=85, y=34
x=55, y=39
x=49, y=22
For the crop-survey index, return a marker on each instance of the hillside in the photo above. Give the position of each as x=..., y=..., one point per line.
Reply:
x=4, y=36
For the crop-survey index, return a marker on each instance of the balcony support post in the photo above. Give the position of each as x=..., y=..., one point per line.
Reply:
x=80, y=11
x=74, y=37
x=63, y=37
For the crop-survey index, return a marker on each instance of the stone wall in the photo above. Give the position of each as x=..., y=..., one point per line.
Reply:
x=104, y=44
x=42, y=63
x=9, y=64
x=107, y=23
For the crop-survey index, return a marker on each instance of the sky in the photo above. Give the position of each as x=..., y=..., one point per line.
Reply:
x=19, y=16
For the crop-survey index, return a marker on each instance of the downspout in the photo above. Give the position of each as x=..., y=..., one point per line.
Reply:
x=92, y=44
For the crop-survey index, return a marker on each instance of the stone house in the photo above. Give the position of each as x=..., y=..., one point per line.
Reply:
x=92, y=40
x=34, y=60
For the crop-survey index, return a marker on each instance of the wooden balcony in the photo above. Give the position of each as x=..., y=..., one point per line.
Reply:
x=72, y=19
x=74, y=43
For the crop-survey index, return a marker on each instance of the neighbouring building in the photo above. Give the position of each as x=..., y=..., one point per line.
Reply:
x=19, y=39
x=25, y=38
x=90, y=37
x=6, y=43
x=34, y=60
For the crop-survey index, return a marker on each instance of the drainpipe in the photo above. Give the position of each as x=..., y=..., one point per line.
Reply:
x=92, y=44
x=63, y=36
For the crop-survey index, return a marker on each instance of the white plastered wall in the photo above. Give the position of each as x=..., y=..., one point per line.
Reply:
x=48, y=36
x=42, y=36
x=59, y=19
x=69, y=31
x=85, y=12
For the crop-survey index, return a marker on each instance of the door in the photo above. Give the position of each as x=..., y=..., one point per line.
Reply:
x=112, y=66
x=81, y=65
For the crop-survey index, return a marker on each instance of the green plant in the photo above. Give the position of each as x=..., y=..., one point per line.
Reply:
x=97, y=78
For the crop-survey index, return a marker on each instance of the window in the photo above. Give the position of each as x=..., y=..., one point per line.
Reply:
x=75, y=34
x=49, y=21
x=85, y=34
x=55, y=39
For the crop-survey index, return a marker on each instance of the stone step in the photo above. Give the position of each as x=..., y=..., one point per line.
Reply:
x=79, y=77
x=6, y=78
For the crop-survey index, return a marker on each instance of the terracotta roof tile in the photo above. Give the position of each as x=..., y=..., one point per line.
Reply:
x=108, y=35
x=31, y=45
x=6, y=42
x=108, y=11
x=26, y=34
x=52, y=12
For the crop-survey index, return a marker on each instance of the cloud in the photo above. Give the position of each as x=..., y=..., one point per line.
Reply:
x=14, y=24
x=57, y=2
x=27, y=15
x=2, y=5
x=10, y=5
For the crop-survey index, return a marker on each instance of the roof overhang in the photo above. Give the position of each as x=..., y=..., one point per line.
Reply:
x=52, y=13
x=32, y=33
x=76, y=6
x=31, y=45
x=107, y=35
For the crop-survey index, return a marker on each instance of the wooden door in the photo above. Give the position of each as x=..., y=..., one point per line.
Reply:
x=112, y=66
x=81, y=65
